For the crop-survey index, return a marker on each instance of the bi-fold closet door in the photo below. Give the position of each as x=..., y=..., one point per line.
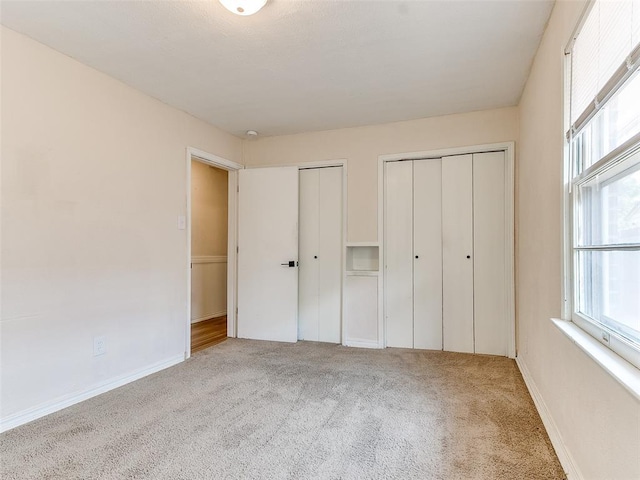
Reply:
x=320, y=255
x=413, y=254
x=445, y=281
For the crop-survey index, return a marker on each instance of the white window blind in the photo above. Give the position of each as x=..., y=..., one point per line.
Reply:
x=608, y=43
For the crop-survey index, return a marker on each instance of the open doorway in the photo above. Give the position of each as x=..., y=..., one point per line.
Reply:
x=212, y=250
x=209, y=234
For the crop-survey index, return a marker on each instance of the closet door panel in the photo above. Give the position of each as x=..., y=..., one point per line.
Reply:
x=490, y=281
x=309, y=224
x=427, y=249
x=457, y=253
x=330, y=255
x=398, y=244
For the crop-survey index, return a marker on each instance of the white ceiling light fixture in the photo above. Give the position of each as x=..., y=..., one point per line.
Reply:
x=243, y=7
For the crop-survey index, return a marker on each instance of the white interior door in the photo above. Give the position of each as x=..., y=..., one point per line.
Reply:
x=330, y=255
x=268, y=244
x=490, y=281
x=427, y=250
x=398, y=255
x=308, y=296
x=457, y=253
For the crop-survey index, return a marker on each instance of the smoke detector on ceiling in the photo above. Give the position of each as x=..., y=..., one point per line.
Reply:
x=243, y=7
x=252, y=134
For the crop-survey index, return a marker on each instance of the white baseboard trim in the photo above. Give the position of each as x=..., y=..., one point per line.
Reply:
x=361, y=344
x=208, y=316
x=566, y=459
x=30, y=414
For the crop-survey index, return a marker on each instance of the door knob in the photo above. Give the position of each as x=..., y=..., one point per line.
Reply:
x=290, y=264
x=468, y=256
x=315, y=256
x=416, y=256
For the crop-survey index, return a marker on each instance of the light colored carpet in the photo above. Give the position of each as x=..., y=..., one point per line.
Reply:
x=263, y=410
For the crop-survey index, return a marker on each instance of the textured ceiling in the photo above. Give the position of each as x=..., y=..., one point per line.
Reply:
x=300, y=65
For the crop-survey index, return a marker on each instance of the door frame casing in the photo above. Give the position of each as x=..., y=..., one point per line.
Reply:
x=341, y=162
x=232, y=238
x=509, y=218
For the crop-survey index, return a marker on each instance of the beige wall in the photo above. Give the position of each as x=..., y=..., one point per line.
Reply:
x=361, y=147
x=209, y=205
x=599, y=421
x=93, y=181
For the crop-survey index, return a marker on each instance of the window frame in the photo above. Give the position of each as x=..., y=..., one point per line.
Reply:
x=619, y=344
x=611, y=338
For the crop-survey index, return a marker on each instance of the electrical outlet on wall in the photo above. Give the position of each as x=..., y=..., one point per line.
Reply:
x=99, y=346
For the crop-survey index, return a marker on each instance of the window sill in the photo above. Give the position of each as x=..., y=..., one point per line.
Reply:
x=622, y=371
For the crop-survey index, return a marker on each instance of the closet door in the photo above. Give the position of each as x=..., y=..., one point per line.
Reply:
x=398, y=256
x=427, y=250
x=330, y=255
x=309, y=225
x=320, y=253
x=457, y=253
x=490, y=282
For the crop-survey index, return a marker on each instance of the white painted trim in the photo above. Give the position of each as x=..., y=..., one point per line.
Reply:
x=209, y=259
x=345, y=179
x=566, y=459
x=232, y=256
x=567, y=217
x=382, y=338
x=362, y=344
x=510, y=229
x=214, y=160
x=232, y=241
x=303, y=165
x=447, y=152
x=622, y=371
x=30, y=414
x=362, y=244
x=221, y=313
x=509, y=149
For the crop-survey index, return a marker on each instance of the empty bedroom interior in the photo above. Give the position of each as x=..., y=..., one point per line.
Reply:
x=425, y=259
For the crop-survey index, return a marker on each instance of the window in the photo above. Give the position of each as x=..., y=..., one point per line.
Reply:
x=603, y=175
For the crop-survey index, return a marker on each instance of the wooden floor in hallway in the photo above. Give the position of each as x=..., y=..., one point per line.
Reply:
x=209, y=332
